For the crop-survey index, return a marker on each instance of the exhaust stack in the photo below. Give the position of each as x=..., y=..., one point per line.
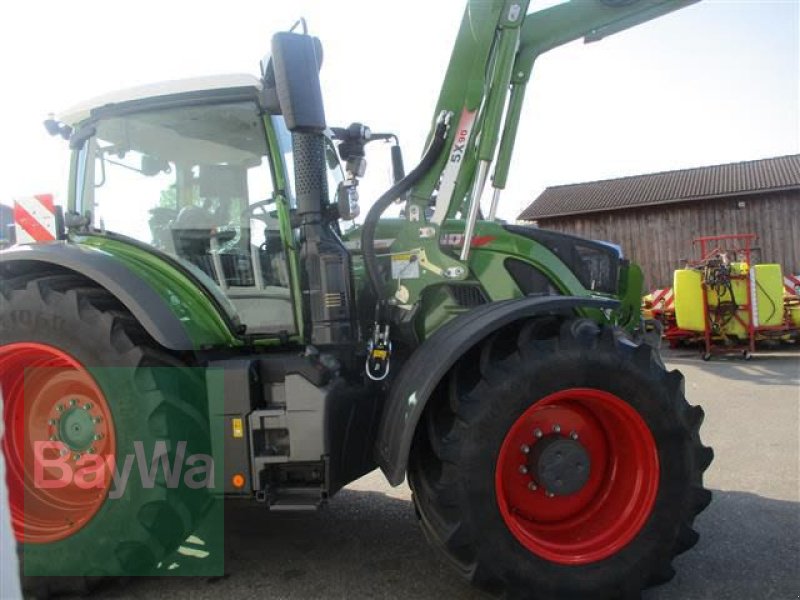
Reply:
x=326, y=270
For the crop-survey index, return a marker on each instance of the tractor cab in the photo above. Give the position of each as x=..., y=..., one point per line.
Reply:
x=199, y=170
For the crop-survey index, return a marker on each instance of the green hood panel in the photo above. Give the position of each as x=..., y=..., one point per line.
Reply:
x=497, y=245
x=492, y=245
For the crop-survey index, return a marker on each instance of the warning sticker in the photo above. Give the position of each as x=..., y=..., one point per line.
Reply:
x=405, y=266
x=35, y=219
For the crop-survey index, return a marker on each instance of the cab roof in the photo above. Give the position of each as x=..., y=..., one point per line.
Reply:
x=82, y=111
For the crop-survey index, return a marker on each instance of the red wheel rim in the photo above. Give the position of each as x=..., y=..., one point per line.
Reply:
x=611, y=507
x=59, y=441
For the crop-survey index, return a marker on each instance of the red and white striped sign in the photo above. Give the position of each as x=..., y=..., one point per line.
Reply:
x=792, y=284
x=663, y=298
x=35, y=219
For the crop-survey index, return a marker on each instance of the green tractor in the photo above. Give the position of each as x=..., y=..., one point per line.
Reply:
x=502, y=369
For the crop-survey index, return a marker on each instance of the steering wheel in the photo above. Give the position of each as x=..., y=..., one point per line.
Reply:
x=258, y=210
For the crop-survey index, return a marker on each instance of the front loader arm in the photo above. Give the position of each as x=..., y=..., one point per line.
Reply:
x=483, y=93
x=495, y=51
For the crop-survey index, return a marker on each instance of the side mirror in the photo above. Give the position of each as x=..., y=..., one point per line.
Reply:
x=295, y=63
x=398, y=170
x=347, y=199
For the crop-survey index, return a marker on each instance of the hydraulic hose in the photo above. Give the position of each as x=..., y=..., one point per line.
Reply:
x=382, y=203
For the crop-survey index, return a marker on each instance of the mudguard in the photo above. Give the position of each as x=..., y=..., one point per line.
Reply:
x=434, y=358
x=149, y=308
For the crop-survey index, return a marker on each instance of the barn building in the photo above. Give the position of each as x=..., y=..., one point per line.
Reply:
x=655, y=217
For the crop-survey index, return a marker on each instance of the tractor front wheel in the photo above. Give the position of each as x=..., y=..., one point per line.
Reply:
x=560, y=460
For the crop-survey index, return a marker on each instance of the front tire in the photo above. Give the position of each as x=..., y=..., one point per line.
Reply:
x=495, y=495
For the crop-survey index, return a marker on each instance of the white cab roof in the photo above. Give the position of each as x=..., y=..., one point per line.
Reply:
x=75, y=114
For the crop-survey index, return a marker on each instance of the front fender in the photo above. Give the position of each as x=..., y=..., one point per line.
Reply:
x=437, y=355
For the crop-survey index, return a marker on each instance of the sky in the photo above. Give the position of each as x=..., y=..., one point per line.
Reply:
x=716, y=82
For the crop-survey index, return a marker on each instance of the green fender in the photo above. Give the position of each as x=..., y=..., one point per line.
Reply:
x=171, y=302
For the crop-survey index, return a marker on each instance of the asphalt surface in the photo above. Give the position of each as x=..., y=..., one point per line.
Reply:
x=366, y=543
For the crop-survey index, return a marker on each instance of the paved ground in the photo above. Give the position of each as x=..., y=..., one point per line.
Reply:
x=367, y=543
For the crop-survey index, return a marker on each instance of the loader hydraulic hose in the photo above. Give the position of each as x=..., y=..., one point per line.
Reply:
x=381, y=204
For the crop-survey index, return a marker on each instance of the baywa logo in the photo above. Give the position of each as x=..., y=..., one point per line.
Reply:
x=55, y=469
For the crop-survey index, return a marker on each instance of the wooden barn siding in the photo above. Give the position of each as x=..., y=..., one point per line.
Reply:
x=660, y=238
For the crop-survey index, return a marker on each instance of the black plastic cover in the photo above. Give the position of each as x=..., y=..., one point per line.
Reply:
x=530, y=280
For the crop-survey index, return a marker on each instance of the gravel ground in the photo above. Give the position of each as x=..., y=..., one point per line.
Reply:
x=366, y=543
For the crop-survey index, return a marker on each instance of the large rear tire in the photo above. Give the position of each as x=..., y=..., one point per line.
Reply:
x=560, y=460
x=77, y=370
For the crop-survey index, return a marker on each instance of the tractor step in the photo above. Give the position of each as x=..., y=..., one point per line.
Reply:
x=296, y=499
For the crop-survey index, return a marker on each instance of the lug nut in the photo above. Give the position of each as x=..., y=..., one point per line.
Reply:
x=73, y=402
x=549, y=494
x=96, y=419
x=525, y=449
x=53, y=438
x=537, y=432
x=76, y=457
x=574, y=435
x=532, y=486
x=97, y=437
x=52, y=421
x=63, y=452
x=90, y=451
x=557, y=428
x=87, y=406
x=60, y=407
x=523, y=469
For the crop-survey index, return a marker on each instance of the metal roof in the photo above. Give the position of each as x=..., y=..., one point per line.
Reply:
x=79, y=112
x=754, y=176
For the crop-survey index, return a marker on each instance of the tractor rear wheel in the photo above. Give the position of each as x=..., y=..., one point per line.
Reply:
x=82, y=382
x=560, y=460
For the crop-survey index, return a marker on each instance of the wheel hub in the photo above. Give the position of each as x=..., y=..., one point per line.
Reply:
x=76, y=428
x=559, y=464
